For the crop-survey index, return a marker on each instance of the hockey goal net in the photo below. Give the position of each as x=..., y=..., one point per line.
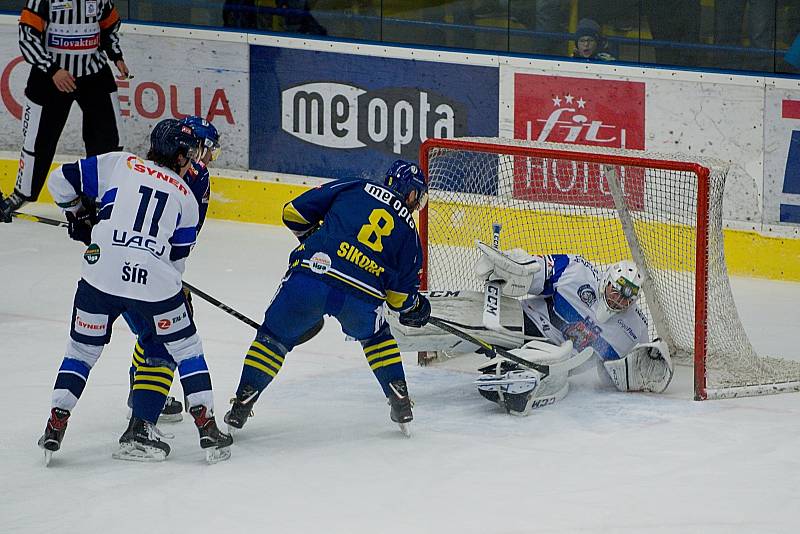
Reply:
x=664, y=213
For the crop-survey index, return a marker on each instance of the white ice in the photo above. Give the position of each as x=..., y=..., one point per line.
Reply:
x=320, y=454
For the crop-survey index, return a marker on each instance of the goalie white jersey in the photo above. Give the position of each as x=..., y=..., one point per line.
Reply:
x=148, y=220
x=566, y=303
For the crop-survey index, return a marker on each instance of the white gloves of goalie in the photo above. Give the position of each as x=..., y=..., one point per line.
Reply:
x=514, y=268
x=648, y=367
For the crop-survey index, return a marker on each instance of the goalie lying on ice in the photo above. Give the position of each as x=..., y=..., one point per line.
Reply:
x=567, y=306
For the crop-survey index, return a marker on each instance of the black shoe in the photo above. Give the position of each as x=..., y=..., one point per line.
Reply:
x=141, y=443
x=400, y=403
x=54, y=430
x=10, y=204
x=241, y=408
x=172, y=411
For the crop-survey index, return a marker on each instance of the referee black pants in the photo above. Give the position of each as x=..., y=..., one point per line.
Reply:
x=45, y=113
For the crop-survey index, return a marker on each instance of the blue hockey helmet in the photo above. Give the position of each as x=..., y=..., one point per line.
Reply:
x=170, y=139
x=207, y=132
x=405, y=177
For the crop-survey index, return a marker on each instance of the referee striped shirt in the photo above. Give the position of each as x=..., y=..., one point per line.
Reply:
x=76, y=35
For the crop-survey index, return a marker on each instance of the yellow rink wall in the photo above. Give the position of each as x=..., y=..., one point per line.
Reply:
x=747, y=253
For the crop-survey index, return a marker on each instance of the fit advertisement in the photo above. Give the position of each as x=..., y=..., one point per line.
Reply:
x=335, y=115
x=580, y=111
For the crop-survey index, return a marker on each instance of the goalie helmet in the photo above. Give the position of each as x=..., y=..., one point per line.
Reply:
x=618, y=290
x=405, y=177
x=207, y=133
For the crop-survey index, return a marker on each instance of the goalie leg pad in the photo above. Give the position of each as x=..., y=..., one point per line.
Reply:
x=521, y=390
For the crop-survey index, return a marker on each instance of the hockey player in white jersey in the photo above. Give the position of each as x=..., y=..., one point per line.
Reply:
x=138, y=237
x=565, y=301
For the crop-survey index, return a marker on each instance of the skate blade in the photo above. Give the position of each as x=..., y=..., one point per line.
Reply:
x=170, y=418
x=132, y=453
x=214, y=455
x=48, y=455
x=405, y=428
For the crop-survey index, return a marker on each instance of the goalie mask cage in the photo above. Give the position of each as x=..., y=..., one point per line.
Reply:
x=664, y=213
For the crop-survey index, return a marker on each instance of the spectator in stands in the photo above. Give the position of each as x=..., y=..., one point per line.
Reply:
x=589, y=43
x=239, y=14
x=729, y=18
x=552, y=17
x=676, y=21
x=272, y=15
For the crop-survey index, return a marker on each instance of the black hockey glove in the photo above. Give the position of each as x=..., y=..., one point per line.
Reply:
x=417, y=316
x=80, y=224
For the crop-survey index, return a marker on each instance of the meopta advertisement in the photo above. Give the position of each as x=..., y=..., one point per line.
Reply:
x=173, y=77
x=338, y=115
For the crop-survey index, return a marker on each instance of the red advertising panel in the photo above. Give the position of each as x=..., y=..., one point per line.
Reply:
x=580, y=111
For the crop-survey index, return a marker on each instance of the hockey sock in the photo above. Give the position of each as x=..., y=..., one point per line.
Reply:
x=137, y=359
x=71, y=379
x=150, y=389
x=384, y=358
x=261, y=363
x=196, y=382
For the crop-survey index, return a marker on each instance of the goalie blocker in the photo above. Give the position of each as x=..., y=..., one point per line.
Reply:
x=647, y=367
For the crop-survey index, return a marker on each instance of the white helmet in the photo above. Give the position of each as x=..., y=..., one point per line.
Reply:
x=618, y=289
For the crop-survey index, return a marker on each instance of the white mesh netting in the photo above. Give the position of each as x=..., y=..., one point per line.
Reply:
x=563, y=205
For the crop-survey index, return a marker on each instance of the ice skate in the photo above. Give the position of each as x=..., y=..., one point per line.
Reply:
x=217, y=444
x=172, y=411
x=141, y=443
x=53, y=433
x=400, y=404
x=241, y=409
x=9, y=205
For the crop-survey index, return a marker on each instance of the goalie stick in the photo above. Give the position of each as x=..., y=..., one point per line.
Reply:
x=492, y=289
x=493, y=350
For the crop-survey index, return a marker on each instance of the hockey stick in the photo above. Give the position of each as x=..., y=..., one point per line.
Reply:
x=494, y=350
x=492, y=289
x=38, y=219
x=224, y=307
x=313, y=331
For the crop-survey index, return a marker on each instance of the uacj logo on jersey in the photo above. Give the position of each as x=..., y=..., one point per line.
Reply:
x=581, y=111
x=394, y=120
x=92, y=254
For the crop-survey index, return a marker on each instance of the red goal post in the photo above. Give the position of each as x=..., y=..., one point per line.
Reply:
x=662, y=211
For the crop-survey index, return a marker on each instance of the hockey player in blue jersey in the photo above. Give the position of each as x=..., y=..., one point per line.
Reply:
x=198, y=179
x=138, y=240
x=566, y=301
x=359, y=249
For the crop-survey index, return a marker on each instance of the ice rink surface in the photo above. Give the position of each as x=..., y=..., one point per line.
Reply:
x=320, y=454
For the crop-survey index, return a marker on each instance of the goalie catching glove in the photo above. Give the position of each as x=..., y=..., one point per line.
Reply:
x=514, y=268
x=648, y=367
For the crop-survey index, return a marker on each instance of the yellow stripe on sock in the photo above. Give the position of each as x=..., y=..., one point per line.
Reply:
x=152, y=387
x=152, y=378
x=260, y=357
x=260, y=367
x=387, y=352
x=266, y=350
x=380, y=345
x=384, y=363
x=164, y=370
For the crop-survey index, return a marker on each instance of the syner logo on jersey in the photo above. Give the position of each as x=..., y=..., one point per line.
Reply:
x=393, y=120
x=581, y=111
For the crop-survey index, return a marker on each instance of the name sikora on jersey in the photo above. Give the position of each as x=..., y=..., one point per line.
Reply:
x=395, y=120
